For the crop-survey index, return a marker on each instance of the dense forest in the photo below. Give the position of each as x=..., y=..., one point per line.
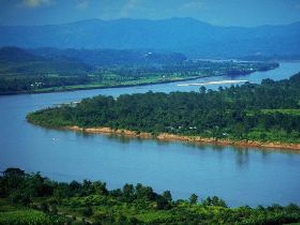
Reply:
x=49, y=69
x=266, y=112
x=36, y=200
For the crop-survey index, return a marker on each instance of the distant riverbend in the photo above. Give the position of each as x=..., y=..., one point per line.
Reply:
x=192, y=139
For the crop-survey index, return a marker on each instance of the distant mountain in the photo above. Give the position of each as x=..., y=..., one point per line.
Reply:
x=185, y=35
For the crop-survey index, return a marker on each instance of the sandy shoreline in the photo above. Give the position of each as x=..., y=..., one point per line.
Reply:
x=213, y=82
x=192, y=139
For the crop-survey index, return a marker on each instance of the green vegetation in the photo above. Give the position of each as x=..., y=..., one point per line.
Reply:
x=33, y=199
x=48, y=70
x=29, y=216
x=268, y=112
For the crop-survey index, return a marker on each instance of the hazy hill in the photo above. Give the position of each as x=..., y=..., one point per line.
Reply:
x=17, y=55
x=107, y=57
x=19, y=61
x=78, y=61
x=185, y=35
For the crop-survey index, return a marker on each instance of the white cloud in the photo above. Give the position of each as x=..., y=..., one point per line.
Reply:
x=192, y=5
x=36, y=3
x=131, y=6
x=83, y=4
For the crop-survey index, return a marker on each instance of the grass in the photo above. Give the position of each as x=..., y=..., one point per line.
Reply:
x=295, y=112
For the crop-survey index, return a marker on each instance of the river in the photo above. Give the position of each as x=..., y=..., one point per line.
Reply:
x=243, y=176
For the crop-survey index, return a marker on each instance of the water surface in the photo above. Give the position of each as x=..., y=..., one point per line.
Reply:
x=240, y=176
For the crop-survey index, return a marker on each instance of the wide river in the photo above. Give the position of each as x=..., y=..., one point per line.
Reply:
x=241, y=176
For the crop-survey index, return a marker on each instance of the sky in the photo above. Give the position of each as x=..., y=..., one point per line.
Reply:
x=245, y=13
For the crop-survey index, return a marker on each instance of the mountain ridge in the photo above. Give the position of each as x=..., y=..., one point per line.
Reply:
x=187, y=35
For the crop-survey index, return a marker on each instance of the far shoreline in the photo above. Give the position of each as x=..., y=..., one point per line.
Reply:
x=87, y=87
x=121, y=85
x=188, y=139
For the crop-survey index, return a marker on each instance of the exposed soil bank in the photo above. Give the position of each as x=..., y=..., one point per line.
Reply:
x=192, y=139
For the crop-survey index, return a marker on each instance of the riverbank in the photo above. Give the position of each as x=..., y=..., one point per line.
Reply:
x=101, y=86
x=191, y=139
x=137, y=82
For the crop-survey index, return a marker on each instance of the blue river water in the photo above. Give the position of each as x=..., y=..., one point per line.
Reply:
x=241, y=176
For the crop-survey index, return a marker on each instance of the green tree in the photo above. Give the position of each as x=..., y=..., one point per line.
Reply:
x=168, y=196
x=128, y=192
x=193, y=199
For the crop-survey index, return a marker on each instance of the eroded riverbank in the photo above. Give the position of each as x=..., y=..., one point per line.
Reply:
x=192, y=139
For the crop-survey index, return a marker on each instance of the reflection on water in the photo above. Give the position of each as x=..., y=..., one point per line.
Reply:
x=242, y=157
x=242, y=154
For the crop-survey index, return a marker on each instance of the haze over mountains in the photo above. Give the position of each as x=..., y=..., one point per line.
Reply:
x=185, y=35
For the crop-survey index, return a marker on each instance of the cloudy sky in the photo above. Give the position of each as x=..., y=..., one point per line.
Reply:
x=217, y=12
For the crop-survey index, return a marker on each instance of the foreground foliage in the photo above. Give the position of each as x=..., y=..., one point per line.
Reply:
x=29, y=216
x=33, y=199
x=266, y=112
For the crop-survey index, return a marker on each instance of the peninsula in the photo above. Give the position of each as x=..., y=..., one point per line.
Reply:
x=256, y=115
